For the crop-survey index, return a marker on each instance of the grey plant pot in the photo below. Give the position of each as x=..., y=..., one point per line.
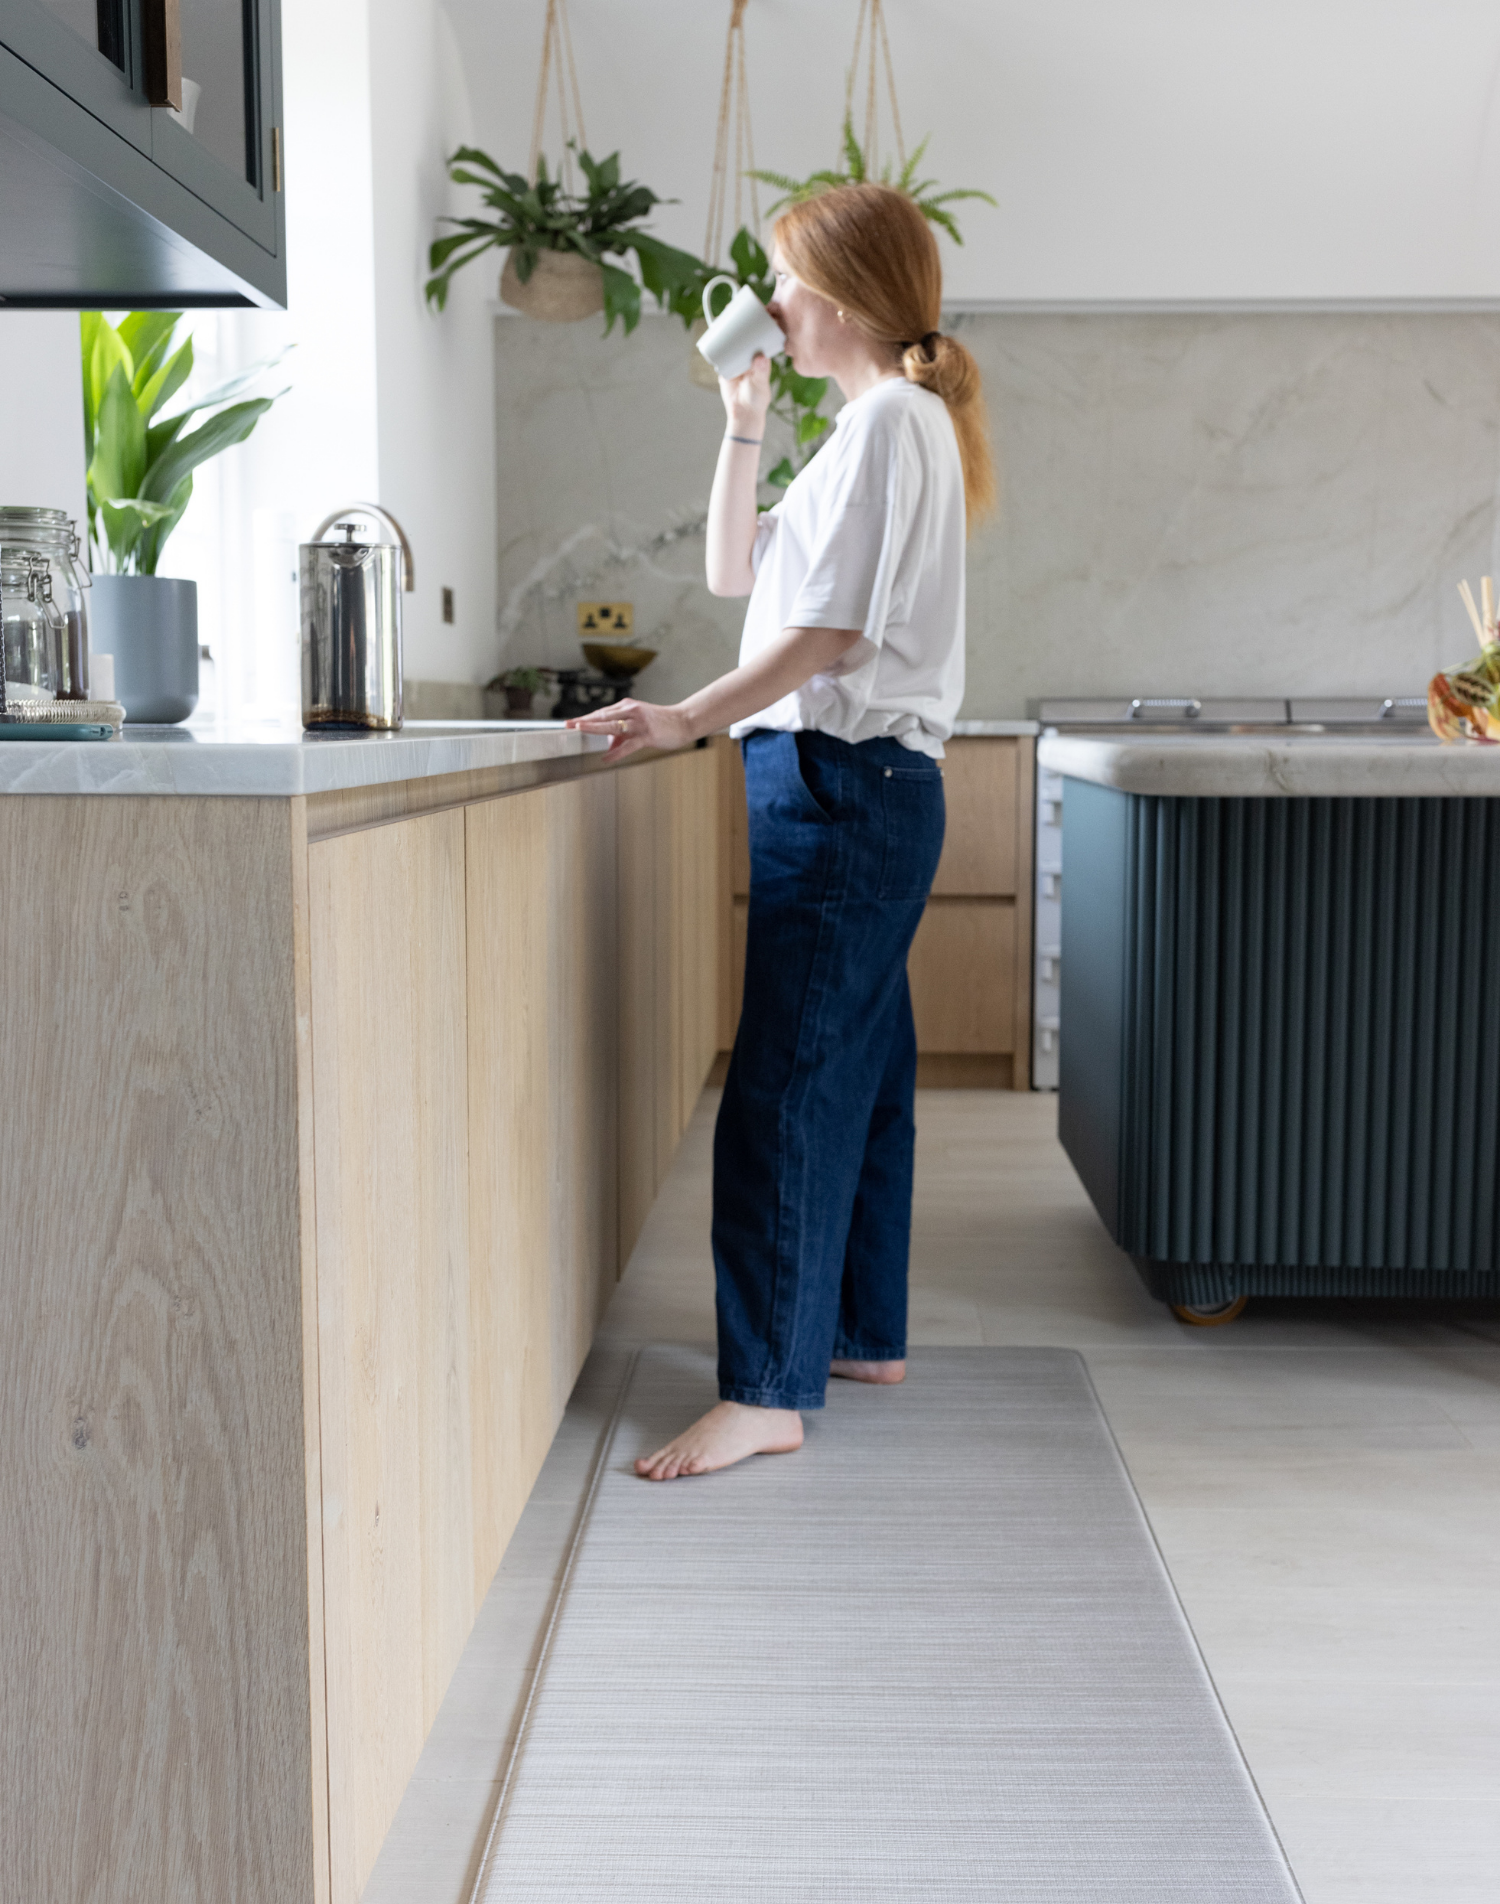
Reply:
x=149, y=623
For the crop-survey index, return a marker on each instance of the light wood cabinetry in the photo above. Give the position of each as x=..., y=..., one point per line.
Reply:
x=312, y=1179
x=543, y=1079
x=160, y=1680
x=390, y=1113
x=970, y=963
x=669, y=965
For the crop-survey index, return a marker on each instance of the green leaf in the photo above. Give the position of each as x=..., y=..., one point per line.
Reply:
x=147, y=335
x=167, y=381
x=125, y=523
x=807, y=392
x=782, y=474
x=665, y=269
x=108, y=355
x=88, y=332
x=119, y=460
x=148, y=554
x=750, y=259
x=810, y=425
x=159, y=435
x=622, y=299
x=184, y=455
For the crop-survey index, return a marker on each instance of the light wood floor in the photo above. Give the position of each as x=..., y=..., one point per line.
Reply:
x=1323, y=1478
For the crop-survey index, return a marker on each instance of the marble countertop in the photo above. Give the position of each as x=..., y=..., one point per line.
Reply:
x=274, y=759
x=1260, y=766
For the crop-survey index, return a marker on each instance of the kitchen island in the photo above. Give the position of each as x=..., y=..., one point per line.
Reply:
x=339, y=1075
x=1280, y=1068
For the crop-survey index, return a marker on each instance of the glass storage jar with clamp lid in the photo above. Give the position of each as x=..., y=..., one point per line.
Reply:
x=52, y=534
x=33, y=630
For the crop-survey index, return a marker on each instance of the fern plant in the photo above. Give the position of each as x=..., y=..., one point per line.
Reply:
x=932, y=203
x=797, y=400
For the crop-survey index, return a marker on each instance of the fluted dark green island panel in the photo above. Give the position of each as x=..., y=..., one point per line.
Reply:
x=1280, y=1048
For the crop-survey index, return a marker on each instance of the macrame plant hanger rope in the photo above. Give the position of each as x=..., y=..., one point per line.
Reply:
x=877, y=50
x=557, y=52
x=734, y=135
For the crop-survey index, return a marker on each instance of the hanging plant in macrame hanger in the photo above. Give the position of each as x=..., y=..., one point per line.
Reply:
x=861, y=156
x=558, y=240
x=795, y=399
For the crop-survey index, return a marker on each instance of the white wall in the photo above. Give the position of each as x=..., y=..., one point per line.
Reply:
x=387, y=401
x=42, y=453
x=1155, y=150
x=434, y=372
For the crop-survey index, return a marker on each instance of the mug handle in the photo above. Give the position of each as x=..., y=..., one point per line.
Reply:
x=708, y=291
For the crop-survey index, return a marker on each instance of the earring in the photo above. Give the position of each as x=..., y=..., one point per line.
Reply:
x=842, y=318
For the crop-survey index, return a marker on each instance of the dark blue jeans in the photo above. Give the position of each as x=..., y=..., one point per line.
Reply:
x=813, y=1147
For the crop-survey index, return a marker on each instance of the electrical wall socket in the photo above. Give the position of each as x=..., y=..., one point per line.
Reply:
x=606, y=621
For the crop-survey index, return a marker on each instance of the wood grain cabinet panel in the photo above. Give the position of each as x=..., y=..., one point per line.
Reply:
x=962, y=975
x=670, y=966
x=542, y=1089
x=161, y=1697
x=388, y=952
x=979, y=845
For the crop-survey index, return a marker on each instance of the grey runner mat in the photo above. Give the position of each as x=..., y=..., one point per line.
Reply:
x=933, y=1656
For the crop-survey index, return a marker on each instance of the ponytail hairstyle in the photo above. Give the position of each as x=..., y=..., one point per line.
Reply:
x=868, y=249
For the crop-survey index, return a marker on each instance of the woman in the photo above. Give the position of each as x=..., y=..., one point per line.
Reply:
x=851, y=673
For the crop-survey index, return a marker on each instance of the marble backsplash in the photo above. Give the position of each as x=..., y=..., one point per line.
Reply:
x=1210, y=504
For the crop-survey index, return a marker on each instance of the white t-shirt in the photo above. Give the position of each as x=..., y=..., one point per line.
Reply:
x=871, y=536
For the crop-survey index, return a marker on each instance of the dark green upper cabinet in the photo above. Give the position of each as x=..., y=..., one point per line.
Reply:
x=107, y=201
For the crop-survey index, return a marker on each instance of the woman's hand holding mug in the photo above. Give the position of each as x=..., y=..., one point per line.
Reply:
x=747, y=398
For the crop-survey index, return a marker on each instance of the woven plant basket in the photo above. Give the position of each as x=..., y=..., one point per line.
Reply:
x=562, y=288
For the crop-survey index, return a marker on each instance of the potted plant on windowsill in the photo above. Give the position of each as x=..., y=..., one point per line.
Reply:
x=558, y=243
x=140, y=480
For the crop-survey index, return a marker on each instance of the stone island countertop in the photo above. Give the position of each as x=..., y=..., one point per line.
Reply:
x=1274, y=766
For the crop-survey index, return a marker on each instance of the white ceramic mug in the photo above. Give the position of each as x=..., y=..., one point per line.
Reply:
x=742, y=328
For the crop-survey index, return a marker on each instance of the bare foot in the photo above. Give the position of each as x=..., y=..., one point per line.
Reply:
x=727, y=1433
x=879, y=1372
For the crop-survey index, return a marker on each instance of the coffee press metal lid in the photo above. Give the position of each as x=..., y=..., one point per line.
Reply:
x=350, y=553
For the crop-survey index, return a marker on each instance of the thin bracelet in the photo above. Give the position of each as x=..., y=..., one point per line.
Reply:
x=754, y=441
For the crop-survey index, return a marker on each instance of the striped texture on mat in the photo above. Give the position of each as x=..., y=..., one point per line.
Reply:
x=933, y=1656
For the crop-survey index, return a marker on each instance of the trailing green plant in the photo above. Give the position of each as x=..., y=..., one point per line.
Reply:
x=533, y=217
x=795, y=399
x=932, y=203
x=140, y=469
x=528, y=680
